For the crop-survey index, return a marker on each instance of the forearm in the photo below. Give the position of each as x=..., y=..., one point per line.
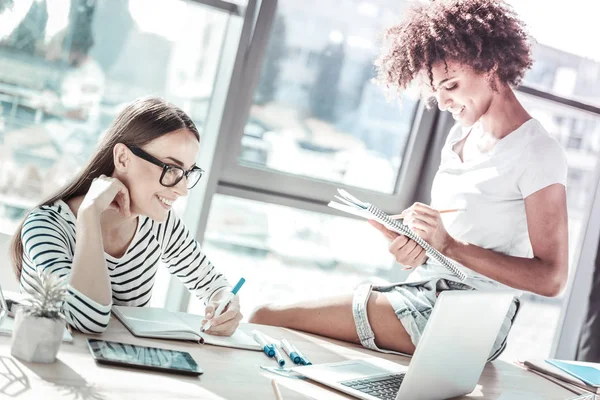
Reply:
x=530, y=274
x=89, y=274
x=220, y=294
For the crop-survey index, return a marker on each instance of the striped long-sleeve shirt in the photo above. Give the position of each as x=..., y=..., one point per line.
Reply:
x=49, y=243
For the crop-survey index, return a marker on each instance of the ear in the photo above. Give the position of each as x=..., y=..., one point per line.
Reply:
x=492, y=77
x=121, y=157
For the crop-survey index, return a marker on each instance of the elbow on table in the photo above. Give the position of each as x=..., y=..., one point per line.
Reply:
x=97, y=330
x=96, y=326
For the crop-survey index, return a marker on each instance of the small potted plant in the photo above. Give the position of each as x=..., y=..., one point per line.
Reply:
x=39, y=322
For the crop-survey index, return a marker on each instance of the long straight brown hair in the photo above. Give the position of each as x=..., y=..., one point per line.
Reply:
x=139, y=123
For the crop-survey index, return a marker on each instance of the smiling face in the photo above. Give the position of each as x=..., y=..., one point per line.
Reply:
x=148, y=196
x=461, y=91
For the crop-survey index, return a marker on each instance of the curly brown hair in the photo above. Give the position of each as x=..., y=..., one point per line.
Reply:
x=482, y=34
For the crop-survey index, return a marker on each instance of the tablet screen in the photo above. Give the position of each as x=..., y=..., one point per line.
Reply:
x=143, y=357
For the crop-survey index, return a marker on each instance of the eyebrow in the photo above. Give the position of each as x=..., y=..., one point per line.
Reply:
x=440, y=83
x=176, y=161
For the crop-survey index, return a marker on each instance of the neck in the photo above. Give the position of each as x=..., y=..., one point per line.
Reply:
x=113, y=222
x=504, y=115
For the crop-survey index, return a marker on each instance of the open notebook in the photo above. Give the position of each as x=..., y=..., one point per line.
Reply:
x=160, y=323
x=352, y=205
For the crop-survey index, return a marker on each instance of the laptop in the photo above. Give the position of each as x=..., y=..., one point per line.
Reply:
x=448, y=361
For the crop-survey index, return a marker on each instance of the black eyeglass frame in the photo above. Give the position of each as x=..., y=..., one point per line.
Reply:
x=166, y=167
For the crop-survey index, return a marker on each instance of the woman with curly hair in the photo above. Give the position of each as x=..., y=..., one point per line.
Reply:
x=498, y=163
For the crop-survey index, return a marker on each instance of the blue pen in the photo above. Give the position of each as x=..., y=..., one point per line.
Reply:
x=278, y=357
x=269, y=349
x=291, y=352
x=304, y=359
x=224, y=302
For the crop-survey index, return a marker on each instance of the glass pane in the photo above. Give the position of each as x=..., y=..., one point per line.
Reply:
x=566, y=62
x=579, y=134
x=68, y=67
x=287, y=254
x=315, y=111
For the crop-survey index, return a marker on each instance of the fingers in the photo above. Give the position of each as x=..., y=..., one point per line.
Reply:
x=386, y=232
x=397, y=244
x=401, y=248
x=416, y=257
x=223, y=318
x=226, y=329
x=209, y=311
x=226, y=323
x=122, y=199
x=424, y=209
x=422, y=257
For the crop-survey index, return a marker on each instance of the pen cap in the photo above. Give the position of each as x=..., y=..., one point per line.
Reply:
x=238, y=286
x=296, y=358
x=269, y=350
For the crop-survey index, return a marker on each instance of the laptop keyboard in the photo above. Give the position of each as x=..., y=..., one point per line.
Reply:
x=382, y=387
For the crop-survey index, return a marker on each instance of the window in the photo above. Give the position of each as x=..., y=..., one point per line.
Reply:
x=288, y=254
x=68, y=67
x=534, y=332
x=567, y=63
x=315, y=112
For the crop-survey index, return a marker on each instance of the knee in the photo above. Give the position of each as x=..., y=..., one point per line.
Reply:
x=264, y=315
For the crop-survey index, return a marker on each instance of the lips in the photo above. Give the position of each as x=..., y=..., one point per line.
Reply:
x=457, y=111
x=168, y=203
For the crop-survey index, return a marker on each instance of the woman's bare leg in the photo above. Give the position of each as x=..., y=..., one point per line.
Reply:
x=332, y=317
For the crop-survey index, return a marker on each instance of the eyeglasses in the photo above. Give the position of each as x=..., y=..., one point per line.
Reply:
x=171, y=174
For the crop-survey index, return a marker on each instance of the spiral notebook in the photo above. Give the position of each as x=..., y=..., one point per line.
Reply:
x=352, y=205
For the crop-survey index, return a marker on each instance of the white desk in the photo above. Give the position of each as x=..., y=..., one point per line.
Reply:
x=228, y=373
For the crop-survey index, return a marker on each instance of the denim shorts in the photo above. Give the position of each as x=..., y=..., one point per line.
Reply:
x=413, y=304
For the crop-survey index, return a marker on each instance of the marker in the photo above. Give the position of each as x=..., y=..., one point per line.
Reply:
x=291, y=352
x=304, y=359
x=261, y=340
x=224, y=302
x=278, y=357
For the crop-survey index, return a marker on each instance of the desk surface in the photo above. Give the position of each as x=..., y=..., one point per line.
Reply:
x=228, y=373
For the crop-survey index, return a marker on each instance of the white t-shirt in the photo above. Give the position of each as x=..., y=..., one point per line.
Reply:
x=492, y=189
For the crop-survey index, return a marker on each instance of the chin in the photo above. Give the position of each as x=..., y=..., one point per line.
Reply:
x=467, y=122
x=154, y=213
x=159, y=216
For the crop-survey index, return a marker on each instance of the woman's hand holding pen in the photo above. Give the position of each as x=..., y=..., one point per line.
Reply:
x=427, y=223
x=226, y=323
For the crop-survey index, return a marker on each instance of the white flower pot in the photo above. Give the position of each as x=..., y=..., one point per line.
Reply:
x=36, y=339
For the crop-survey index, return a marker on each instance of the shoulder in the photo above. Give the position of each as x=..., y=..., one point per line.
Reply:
x=57, y=213
x=540, y=146
x=48, y=225
x=455, y=134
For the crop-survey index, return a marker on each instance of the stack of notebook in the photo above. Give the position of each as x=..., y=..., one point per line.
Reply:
x=577, y=376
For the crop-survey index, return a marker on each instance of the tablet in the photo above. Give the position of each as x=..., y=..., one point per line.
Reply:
x=153, y=358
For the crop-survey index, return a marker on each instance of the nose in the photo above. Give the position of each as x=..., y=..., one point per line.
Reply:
x=443, y=100
x=181, y=188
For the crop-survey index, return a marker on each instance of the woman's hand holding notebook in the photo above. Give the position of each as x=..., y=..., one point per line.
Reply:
x=352, y=205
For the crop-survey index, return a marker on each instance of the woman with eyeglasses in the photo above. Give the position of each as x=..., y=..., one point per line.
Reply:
x=112, y=225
